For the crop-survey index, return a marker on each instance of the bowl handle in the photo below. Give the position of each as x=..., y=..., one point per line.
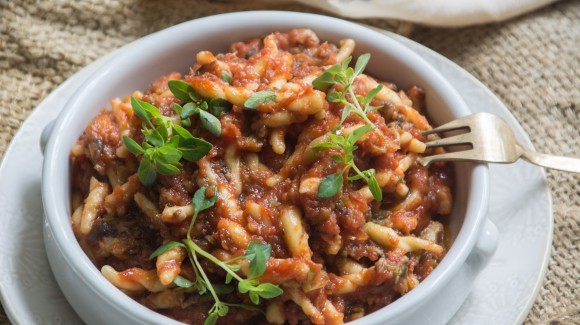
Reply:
x=485, y=247
x=45, y=135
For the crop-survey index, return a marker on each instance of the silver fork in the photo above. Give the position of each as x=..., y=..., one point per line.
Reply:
x=492, y=140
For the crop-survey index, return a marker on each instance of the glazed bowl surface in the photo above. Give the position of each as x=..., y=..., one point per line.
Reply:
x=136, y=65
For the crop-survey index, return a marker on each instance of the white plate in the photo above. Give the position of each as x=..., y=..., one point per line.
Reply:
x=520, y=206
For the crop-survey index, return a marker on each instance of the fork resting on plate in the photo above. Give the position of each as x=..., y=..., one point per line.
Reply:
x=491, y=140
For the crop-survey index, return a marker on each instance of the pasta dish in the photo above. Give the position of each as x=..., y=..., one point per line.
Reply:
x=275, y=183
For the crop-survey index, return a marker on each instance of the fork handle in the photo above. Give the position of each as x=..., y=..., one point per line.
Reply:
x=555, y=162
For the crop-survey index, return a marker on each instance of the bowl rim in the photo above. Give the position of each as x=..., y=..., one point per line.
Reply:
x=91, y=276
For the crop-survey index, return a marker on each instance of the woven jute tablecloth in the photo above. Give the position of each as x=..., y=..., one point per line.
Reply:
x=532, y=63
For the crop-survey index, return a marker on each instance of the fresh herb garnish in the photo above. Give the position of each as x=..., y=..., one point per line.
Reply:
x=343, y=75
x=161, y=150
x=180, y=89
x=331, y=184
x=259, y=97
x=217, y=106
x=256, y=253
x=196, y=105
x=210, y=123
x=226, y=77
x=182, y=282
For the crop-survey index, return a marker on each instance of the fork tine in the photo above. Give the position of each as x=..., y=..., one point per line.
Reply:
x=465, y=155
x=450, y=126
x=465, y=138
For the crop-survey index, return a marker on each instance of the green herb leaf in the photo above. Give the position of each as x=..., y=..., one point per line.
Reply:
x=139, y=110
x=338, y=159
x=196, y=97
x=146, y=172
x=143, y=109
x=223, y=310
x=201, y=286
x=361, y=63
x=188, y=110
x=335, y=97
x=201, y=202
x=246, y=285
x=218, y=106
x=162, y=131
x=254, y=297
x=248, y=307
x=164, y=248
x=258, y=254
x=344, y=65
x=194, y=148
x=152, y=111
x=133, y=146
x=211, y=123
x=169, y=154
x=181, y=131
x=166, y=169
x=211, y=319
x=268, y=290
x=326, y=145
x=227, y=77
x=180, y=89
x=259, y=98
x=174, y=141
x=229, y=278
x=345, y=113
x=182, y=282
x=325, y=80
x=348, y=77
x=154, y=137
x=358, y=133
x=177, y=108
x=370, y=95
x=375, y=188
x=330, y=185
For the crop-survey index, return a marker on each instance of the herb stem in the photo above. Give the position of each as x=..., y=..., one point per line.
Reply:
x=194, y=247
x=233, y=259
x=193, y=218
x=204, y=276
x=360, y=111
x=358, y=171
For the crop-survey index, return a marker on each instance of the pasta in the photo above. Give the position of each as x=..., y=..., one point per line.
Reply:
x=338, y=252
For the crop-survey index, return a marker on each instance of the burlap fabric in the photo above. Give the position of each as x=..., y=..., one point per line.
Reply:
x=532, y=63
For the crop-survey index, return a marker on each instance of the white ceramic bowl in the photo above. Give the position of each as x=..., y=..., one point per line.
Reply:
x=136, y=65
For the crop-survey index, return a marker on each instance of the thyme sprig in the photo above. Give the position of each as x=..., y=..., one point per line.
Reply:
x=344, y=75
x=257, y=254
x=164, y=144
x=331, y=184
x=196, y=105
x=257, y=98
x=166, y=141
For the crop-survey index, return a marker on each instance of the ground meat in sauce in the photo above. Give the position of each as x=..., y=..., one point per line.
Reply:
x=343, y=274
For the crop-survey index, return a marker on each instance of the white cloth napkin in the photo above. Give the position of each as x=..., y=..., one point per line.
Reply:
x=431, y=12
